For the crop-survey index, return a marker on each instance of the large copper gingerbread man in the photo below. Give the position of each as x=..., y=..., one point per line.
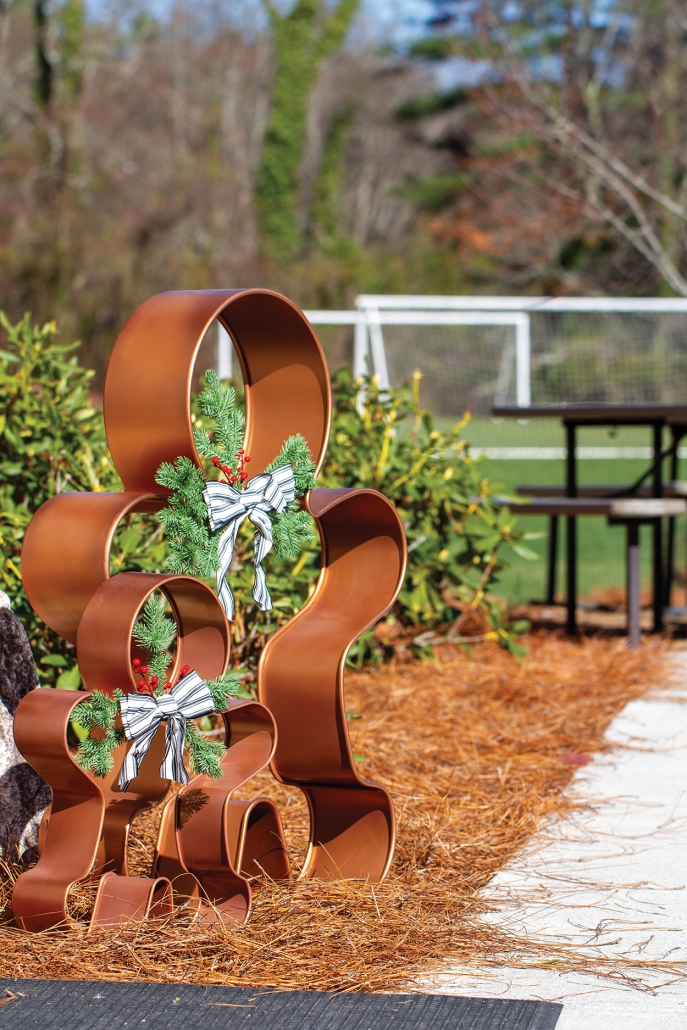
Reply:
x=210, y=846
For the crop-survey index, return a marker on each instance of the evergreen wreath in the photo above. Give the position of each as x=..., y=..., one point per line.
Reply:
x=193, y=547
x=154, y=633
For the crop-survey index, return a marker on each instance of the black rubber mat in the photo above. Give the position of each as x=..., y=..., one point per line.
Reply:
x=82, y=1005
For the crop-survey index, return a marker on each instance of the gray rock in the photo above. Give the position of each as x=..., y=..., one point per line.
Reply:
x=24, y=795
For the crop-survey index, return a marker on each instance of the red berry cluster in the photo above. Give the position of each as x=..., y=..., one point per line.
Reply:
x=240, y=475
x=145, y=686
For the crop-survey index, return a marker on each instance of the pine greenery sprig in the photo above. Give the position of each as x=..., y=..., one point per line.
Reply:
x=204, y=756
x=154, y=633
x=223, y=689
x=192, y=546
x=218, y=402
x=292, y=530
x=99, y=712
x=296, y=453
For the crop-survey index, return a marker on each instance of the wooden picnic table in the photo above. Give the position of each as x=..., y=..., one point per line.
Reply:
x=574, y=414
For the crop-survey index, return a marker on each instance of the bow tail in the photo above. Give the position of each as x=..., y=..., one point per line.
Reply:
x=226, y=598
x=261, y=548
x=225, y=553
x=172, y=767
x=135, y=755
x=261, y=594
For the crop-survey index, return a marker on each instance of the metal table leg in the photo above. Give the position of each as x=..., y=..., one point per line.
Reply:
x=553, y=556
x=633, y=585
x=670, y=544
x=678, y=432
x=658, y=540
x=571, y=528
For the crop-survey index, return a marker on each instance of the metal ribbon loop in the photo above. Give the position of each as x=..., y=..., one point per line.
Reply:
x=142, y=715
x=229, y=507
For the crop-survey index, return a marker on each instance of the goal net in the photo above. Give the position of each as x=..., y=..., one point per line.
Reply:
x=474, y=352
x=577, y=349
x=464, y=368
x=622, y=357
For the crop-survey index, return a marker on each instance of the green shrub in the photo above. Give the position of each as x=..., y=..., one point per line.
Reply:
x=53, y=440
x=458, y=538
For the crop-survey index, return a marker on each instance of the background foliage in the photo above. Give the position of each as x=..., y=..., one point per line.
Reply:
x=458, y=538
x=53, y=440
x=303, y=38
x=513, y=148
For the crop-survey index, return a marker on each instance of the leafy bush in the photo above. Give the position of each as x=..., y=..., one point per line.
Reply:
x=52, y=440
x=458, y=538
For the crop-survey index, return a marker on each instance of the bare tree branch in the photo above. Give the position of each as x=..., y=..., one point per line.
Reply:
x=614, y=163
x=651, y=246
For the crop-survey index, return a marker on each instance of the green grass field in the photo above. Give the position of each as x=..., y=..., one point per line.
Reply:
x=601, y=548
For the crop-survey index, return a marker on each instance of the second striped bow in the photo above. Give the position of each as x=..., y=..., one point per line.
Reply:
x=229, y=507
x=142, y=715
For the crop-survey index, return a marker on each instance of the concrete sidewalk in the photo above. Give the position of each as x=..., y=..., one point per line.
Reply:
x=611, y=881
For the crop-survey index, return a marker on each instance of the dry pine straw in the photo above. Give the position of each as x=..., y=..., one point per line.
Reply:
x=477, y=752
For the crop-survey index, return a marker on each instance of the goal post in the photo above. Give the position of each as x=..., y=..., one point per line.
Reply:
x=370, y=354
x=479, y=350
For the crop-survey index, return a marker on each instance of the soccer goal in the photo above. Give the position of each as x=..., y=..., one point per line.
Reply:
x=467, y=358
x=526, y=350
x=474, y=352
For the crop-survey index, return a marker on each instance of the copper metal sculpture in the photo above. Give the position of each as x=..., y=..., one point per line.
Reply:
x=210, y=846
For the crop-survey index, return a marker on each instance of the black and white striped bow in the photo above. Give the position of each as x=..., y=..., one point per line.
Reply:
x=142, y=715
x=228, y=507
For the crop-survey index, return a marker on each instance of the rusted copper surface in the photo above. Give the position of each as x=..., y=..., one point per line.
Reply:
x=211, y=846
x=104, y=644
x=66, y=553
x=222, y=841
x=301, y=681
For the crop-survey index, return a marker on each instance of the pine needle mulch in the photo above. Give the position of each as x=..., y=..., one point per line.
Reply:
x=478, y=753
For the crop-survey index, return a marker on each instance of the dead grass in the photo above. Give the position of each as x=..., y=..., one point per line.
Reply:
x=478, y=752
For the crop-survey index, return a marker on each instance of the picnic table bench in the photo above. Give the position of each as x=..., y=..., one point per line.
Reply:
x=674, y=488
x=628, y=511
x=657, y=416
